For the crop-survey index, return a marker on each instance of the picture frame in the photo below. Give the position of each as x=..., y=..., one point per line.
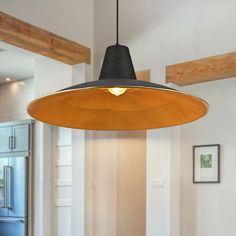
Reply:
x=206, y=163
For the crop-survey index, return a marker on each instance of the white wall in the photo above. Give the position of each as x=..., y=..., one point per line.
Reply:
x=158, y=167
x=74, y=20
x=210, y=209
x=14, y=98
x=116, y=192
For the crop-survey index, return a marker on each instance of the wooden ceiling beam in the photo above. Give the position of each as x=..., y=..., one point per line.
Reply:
x=202, y=70
x=144, y=75
x=32, y=38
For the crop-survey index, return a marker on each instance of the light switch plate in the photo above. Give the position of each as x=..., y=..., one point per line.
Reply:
x=158, y=183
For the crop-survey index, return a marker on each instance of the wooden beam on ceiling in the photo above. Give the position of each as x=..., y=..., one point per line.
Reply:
x=144, y=75
x=202, y=70
x=32, y=38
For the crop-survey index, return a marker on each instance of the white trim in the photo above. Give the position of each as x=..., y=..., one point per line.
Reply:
x=42, y=180
x=64, y=162
x=78, y=201
x=59, y=145
x=63, y=203
x=175, y=168
x=63, y=182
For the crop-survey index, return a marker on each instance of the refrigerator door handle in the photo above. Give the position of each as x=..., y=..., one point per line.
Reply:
x=7, y=220
x=13, y=142
x=7, y=173
x=10, y=142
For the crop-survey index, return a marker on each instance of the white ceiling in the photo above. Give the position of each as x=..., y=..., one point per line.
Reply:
x=15, y=63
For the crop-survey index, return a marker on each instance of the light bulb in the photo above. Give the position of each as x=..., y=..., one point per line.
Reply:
x=117, y=91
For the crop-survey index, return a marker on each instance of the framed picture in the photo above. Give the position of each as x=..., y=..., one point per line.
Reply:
x=206, y=163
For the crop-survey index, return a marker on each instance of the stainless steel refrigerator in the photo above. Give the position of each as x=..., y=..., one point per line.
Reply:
x=15, y=178
x=13, y=196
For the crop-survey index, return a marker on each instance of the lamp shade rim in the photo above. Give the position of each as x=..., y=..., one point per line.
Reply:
x=147, y=106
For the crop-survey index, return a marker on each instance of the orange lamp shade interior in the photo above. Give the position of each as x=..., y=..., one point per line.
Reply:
x=136, y=108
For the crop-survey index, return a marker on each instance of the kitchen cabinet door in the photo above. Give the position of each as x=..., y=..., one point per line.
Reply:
x=21, y=138
x=5, y=139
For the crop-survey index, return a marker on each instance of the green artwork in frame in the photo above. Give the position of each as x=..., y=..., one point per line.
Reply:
x=206, y=160
x=206, y=163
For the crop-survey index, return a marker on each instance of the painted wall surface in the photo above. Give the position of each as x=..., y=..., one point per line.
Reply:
x=14, y=98
x=131, y=183
x=117, y=191
x=210, y=209
x=159, y=33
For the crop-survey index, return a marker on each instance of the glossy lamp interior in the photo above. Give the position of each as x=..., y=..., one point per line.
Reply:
x=117, y=101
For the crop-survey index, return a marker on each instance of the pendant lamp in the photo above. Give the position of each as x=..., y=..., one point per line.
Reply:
x=117, y=101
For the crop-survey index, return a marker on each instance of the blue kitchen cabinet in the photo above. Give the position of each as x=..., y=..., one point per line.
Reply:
x=5, y=139
x=15, y=138
x=21, y=140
